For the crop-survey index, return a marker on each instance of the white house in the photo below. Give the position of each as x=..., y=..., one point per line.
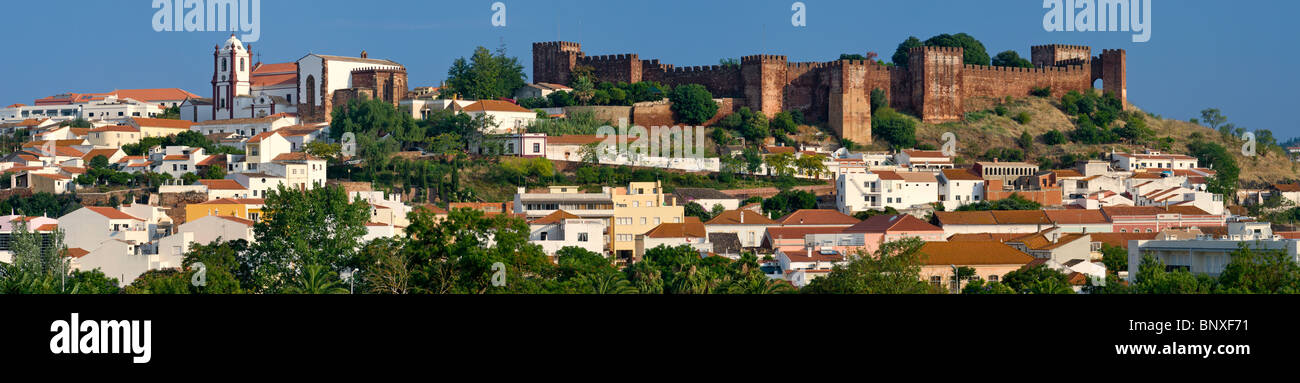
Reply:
x=91, y=226
x=690, y=233
x=259, y=184
x=300, y=170
x=749, y=226
x=507, y=118
x=202, y=231
x=264, y=148
x=959, y=187
x=562, y=229
x=1152, y=160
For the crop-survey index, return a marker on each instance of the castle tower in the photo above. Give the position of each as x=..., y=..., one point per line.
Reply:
x=231, y=77
x=1059, y=55
x=936, y=78
x=1112, y=68
x=764, y=82
x=554, y=61
x=849, y=101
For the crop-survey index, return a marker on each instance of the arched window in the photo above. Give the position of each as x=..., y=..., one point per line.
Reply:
x=223, y=65
x=311, y=90
x=241, y=65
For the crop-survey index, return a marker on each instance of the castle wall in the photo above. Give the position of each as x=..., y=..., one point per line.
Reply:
x=613, y=68
x=936, y=85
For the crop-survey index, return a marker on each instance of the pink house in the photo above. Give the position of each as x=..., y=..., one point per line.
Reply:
x=882, y=229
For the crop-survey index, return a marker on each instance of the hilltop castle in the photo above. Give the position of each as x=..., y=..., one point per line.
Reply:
x=935, y=85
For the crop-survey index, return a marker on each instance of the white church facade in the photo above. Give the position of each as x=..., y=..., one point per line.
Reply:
x=308, y=88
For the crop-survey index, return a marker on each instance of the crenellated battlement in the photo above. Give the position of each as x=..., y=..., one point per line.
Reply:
x=1050, y=69
x=379, y=70
x=941, y=50
x=757, y=59
x=559, y=45
x=935, y=84
x=609, y=58
x=1060, y=47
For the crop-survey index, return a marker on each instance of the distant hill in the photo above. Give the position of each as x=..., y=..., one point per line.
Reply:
x=984, y=130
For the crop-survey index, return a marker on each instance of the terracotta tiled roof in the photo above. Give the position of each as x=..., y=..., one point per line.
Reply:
x=1076, y=217
x=678, y=230
x=495, y=106
x=75, y=252
x=297, y=156
x=778, y=149
x=111, y=213
x=961, y=175
x=556, y=217
x=162, y=123
x=1287, y=187
x=1028, y=217
x=1067, y=173
x=222, y=184
x=817, y=217
x=733, y=217
x=892, y=223
x=972, y=253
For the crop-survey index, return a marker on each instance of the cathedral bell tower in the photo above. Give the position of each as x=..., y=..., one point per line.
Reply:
x=231, y=77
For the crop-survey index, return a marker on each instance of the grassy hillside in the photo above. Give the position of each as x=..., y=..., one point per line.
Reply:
x=984, y=130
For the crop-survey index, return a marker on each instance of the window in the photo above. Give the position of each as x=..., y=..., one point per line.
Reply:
x=582, y=237
x=936, y=281
x=657, y=220
x=643, y=220
x=223, y=65
x=537, y=148
x=993, y=278
x=544, y=235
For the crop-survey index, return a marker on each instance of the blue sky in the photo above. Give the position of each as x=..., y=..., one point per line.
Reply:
x=1236, y=56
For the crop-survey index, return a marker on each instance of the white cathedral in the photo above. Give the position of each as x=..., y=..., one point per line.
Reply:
x=307, y=89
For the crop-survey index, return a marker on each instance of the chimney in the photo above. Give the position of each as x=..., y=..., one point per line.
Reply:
x=364, y=55
x=742, y=217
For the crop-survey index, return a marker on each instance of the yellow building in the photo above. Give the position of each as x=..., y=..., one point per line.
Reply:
x=639, y=208
x=246, y=208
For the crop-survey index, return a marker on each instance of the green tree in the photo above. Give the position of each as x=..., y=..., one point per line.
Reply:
x=693, y=104
x=304, y=227
x=1114, y=257
x=789, y=201
x=316, y=279
x=1026, y=141
x=903, y=54
x=1053, y=137
x=1261, y=272
x=695, y=210
x=1011, y=59
x=485, y=75
x=895, y=268
x=1038, y=279
x=974, y=51
x=895, y=128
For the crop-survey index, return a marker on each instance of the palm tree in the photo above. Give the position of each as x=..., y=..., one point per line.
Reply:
x=316, y=280
x=607, y=283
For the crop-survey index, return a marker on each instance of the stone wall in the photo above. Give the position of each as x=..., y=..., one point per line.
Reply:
x=936, y=85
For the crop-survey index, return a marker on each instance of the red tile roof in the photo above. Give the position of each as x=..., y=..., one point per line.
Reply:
x=222, y=184
x=556, y=217
x=1076, y=217
x=688, y=229
x=162, y=123
x=892, y=223
x=972, y=253
x=111, y=213
x=733, y=217
x=817, y=217
x=495, y=106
